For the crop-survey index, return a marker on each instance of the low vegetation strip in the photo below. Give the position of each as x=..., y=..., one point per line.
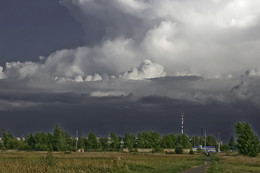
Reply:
x=96, y=162
x=234, y=163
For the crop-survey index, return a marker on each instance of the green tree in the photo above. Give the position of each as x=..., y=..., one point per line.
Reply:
x=12, y=143
x=129, y=141
x=92, y=142
x=224, y=148
x=211, y=141
x=140, y=140
x=155, y=140
x=2, y=146
x=4, y=137
x=247, y=141
x=183, y=141
x=30, y=140
x=147, y=140
x=103, y=143
x=201, y=141
x=49, y=138
x=59, y=140
x=82, y=142
x=115, y=143
x=40, y=141
x=195, y=141
x=168, y=141
x=232, y=143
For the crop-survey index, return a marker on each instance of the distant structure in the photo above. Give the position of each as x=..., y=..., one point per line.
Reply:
x=209, y=149
x=182, y=121
x=77, y=132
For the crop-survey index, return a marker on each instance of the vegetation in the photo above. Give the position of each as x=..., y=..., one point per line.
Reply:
x=234, y=163
x=59, y=140
x=247, y=141
x=178, y=150
x=59, y=157
x=96, y=162
x=232, y=144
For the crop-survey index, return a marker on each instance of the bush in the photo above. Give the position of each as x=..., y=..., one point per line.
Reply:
x=2, y=146
x=178, y=150
x=24, y=147
x=49, y=161
x=191, y=152
x=157, y=149
x=12, y=143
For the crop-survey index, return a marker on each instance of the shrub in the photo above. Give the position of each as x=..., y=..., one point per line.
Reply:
x=178, y=150
x=2, y=146
x=191, y=151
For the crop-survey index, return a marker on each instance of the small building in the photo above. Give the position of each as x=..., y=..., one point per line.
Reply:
x=209, y=149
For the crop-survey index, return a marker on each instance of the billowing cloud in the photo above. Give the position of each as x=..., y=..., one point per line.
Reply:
x=144, y=58
x=129, y=43
x=22, y=70
x=2, y=74
x=146, y=70
x=182, y=36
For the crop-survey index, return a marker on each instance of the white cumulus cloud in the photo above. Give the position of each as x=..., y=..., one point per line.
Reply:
x=145, y=71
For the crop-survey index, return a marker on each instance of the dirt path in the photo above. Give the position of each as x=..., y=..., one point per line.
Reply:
x=199, y=169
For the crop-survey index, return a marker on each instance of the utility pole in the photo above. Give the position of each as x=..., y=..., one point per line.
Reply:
x=77, y=139
x=182, y=121
x=205, y=141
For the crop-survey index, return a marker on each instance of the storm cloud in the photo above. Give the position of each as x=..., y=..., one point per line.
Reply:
x=145, y=58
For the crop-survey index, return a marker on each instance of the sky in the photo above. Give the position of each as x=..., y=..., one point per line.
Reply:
x=129, y=66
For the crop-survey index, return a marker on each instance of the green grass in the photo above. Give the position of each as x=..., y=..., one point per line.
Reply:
x=96, y=162
x=234, y=164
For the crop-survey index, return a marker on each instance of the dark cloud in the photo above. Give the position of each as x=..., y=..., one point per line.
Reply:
x=33, y=28
x=143, y=63
x=125, y=115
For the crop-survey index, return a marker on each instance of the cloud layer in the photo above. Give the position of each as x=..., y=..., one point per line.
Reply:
x=185, y=50
x=179, y=35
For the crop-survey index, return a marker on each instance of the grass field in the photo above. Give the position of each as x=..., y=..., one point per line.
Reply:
x=100, y=162
x=234, y=164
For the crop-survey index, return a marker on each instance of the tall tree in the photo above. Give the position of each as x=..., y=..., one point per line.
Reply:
x=140, y=140
x=115, y=143
x=59, y=140
x=211, y=141
x=82, y=142
x=4, y=137
x=103, y=143
x=183, y=141
x=195, y=141
x=155, y=140
x=231, y=143
x=247, y=141
x=92, y=142
x=168, y=141
x=129, y=141
x=41, y=141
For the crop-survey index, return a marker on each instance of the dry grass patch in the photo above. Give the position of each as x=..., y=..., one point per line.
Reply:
x=235, y=164
x=96, y=162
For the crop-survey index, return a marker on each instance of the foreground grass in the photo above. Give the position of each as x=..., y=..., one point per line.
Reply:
x=96, y=162
x=234, y=164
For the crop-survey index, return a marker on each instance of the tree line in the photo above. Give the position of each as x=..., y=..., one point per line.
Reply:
x=247, y=142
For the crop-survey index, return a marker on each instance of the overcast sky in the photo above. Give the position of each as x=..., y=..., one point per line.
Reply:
x=129, y=65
